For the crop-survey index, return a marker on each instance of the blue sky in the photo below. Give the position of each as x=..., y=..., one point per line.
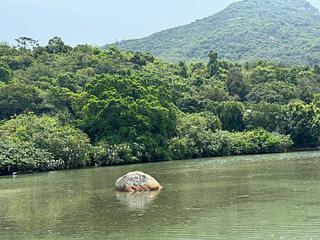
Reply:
x=100, y=21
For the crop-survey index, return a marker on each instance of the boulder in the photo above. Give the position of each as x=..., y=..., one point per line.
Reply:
x=137, y=181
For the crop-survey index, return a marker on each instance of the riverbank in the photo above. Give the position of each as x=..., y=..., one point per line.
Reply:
x=306, y=149
x=31, y=143
x=292, y=150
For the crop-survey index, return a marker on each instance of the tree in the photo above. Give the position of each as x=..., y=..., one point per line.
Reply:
x=5, y=74
x=137, y=108
x=270, y=116
x=316, y=100
x=120, y=110
x=304, y=124
x=183, y=71
x=194, y=134
x=214, y=92
x=25, y=42
x=316, y=69
x=67, y=145
x=19, y=98
x=56, y=45
x=68, y=80
x=189, y=104
x=231, y=115
x=308, y=86
x=236, y=84
x=263, y=74
x=273, y=92
x=213, y=66
x=139, y=59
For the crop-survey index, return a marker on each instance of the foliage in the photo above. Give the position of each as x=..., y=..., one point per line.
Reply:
x=230, y=114
x=105, y=154
x=19, y=98
x=120, y=109
x=223, y=143
x=5, y=74
x=273, y=92
x=304, y=124
x=270, y=116
x=65, y=144
x=65, y=107
x=236, y=84
x=193, y=135
x=17, y=156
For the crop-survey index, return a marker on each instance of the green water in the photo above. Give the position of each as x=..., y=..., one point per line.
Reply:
x=248, y=197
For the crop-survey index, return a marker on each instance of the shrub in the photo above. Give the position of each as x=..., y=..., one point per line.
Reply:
x=24, y=157
x=64, y=143
x=105, y=154
x=223, y=143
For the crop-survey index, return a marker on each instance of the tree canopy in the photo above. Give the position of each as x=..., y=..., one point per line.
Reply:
x=68, y=107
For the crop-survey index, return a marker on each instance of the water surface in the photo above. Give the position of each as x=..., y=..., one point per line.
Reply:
x=248, y=197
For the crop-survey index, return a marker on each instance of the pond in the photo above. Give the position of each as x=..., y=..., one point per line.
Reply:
x=273, y=196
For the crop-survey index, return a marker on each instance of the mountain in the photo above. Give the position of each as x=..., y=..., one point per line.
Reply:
x=286, y=31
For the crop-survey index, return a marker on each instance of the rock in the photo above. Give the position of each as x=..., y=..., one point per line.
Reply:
x=137, y=181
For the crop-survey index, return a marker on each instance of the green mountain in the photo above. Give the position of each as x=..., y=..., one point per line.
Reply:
x=286, y=31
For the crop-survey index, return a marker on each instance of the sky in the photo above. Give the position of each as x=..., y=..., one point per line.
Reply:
x=99, y=22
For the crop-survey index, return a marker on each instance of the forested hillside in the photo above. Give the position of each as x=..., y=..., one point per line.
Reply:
x=64, y=107
x=285, y=31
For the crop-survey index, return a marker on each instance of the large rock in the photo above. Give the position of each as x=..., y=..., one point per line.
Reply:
x=137, y=181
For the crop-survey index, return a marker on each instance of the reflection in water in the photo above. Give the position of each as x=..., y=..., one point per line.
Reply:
x=137, y=200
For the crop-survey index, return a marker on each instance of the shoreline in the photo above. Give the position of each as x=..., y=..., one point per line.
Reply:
x=306, y=149
x=292, y=150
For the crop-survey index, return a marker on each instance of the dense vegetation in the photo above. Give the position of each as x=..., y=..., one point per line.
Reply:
x=64, y=107
x=283, y=31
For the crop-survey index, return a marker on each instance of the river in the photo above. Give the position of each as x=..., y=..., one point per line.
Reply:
x=273, y=196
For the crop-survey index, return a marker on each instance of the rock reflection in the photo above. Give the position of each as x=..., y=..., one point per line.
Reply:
x=137, y=200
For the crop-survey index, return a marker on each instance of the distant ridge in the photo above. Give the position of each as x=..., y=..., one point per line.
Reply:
x=286, y=31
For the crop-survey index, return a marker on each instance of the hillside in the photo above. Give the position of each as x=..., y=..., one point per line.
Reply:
x=286, y=31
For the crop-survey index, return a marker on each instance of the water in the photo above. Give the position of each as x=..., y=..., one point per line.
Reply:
x=249, y=197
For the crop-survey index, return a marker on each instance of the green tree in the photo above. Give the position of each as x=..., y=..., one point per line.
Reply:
x=263, y=74
x=24, y=42
x=18, y=98
x=183, y=71
x=66, y=144
x=316, y=69
x=213, y=66
x=194, y=133
x=119, y=109
x=231, y=114
x=274, y=92
x=304, y=124
x=270, y=116
x=190, y=104
x=5, y=74
x=236, y=84
x=56, y=45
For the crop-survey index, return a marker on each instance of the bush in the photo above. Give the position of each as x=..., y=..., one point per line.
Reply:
x=105, y=154
x=223, y=143
x=194, y=132
x=24, y=157
x=65, y=143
